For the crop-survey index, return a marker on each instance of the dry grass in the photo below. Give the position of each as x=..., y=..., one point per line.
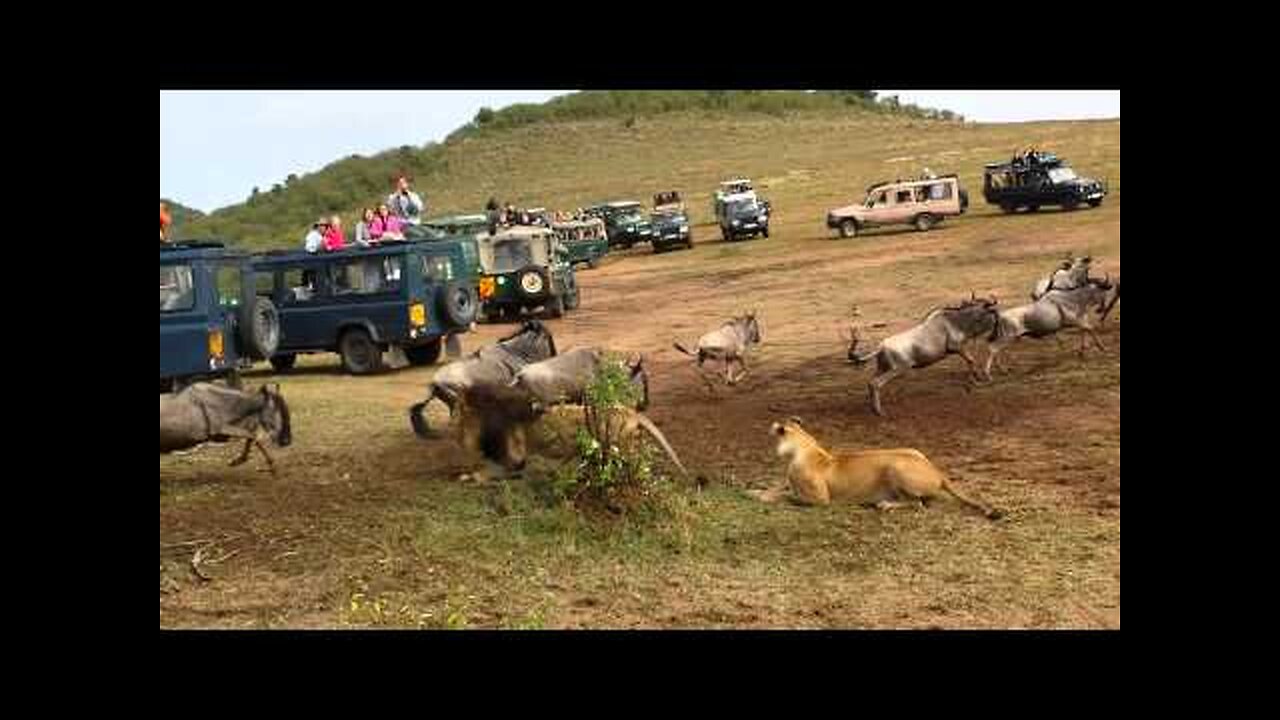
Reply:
x=366, y=526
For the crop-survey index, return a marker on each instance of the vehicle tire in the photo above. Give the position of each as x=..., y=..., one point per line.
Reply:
x=360, y=356
x=924, y=221
x=258, y=325
x=848, y=229
x=424, y=354
x=593, y=263
x=765, y=232
x=284, y=362
x=1008, y=208
x=555, y=307
x=1095, y=203
x=460, y=302
x=533, y=282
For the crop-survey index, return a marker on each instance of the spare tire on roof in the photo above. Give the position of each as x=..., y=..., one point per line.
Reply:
x=258, y=324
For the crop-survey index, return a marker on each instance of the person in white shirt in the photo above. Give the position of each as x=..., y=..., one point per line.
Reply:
x=406, y=204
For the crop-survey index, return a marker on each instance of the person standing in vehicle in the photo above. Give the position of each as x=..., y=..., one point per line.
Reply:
x=333, y=239
x=165, y=221
x=314, y=240
x=406, y=204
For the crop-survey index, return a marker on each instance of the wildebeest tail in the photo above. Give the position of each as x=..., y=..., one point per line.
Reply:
x=682, y=349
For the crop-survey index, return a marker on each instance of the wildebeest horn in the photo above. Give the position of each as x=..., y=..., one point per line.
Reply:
x=796, y=419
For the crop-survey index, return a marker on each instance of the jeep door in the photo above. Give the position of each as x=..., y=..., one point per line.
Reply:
x=184, y=330
x=370, y=290
x=301, y=296
x=881, y=208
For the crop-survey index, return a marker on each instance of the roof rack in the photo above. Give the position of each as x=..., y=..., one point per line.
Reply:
x=192, y=245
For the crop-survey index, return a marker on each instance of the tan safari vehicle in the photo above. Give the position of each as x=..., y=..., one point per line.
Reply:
x=921, y=203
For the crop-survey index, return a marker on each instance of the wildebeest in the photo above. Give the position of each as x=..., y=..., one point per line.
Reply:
x=1056, y=310
x=944, y=331
x=728, y=343
x=205, y=412
x=503, y=426
x=493, y=365
x=1071, y=274
x=565, y=377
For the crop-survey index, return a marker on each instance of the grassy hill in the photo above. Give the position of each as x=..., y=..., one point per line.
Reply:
x=578, y=149
x=182, y=215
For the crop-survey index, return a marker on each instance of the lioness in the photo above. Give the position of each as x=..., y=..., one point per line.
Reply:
x=887, y=479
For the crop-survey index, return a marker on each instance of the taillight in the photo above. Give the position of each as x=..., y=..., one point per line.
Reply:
x=216, y=344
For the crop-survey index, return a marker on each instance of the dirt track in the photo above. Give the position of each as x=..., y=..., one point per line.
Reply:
x=357, y=518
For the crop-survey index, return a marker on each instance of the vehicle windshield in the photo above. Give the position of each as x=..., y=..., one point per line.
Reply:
x=511, y=255
x=670, y=218
x=744, y=208
x=630, y=217
x=1062, y=175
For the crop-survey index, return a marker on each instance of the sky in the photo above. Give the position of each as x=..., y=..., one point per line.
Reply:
x=216, y=146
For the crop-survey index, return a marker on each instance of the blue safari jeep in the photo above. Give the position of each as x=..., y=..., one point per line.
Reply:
x=211, y=322
x=361, y=302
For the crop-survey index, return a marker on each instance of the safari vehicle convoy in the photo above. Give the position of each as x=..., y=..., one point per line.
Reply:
x=921, y=203
x=411, y=296
x=212, y=324
x=525, y=268
x=1035, y=179
x=585, y=240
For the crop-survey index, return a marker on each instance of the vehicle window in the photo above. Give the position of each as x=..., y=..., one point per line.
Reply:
x=299, y=285
x=941, y=191
x=177, y=292
x=437, y=268
x=366, y=276
x=880, y=199
x=229, y=279
x=264, y=284
x=903, y=196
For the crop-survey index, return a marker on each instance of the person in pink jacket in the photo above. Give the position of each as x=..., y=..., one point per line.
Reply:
x=392, y=227
x=333, y=239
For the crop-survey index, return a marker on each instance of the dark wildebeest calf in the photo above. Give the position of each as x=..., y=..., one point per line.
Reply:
x=205, y=412
x=728, y=343
x=944, y=331
x=495, y=365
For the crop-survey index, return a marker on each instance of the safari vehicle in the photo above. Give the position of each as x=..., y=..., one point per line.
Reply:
x=626, y=224
x=526, y=268
x=921, y=203
x=585, y=240
x=414, y=296
x=211, y=323
x=1035, y=179
x=668, y=202
x=671, y=229
x=743, y=217
x=736, y=189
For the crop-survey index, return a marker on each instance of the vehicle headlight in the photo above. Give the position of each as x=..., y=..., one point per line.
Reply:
x=631, y=228
x=417, y=315
x=737, y=222
x=684, y=228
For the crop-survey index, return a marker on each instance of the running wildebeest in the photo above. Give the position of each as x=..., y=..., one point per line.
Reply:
x=1071, y=274
x=493, y=365
x=205, y=412
x=565, y=377
x=728, y=343
x=944, y=331
x=1057, y=310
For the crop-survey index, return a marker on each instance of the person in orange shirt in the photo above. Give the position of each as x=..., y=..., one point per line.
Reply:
x=165, y=221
